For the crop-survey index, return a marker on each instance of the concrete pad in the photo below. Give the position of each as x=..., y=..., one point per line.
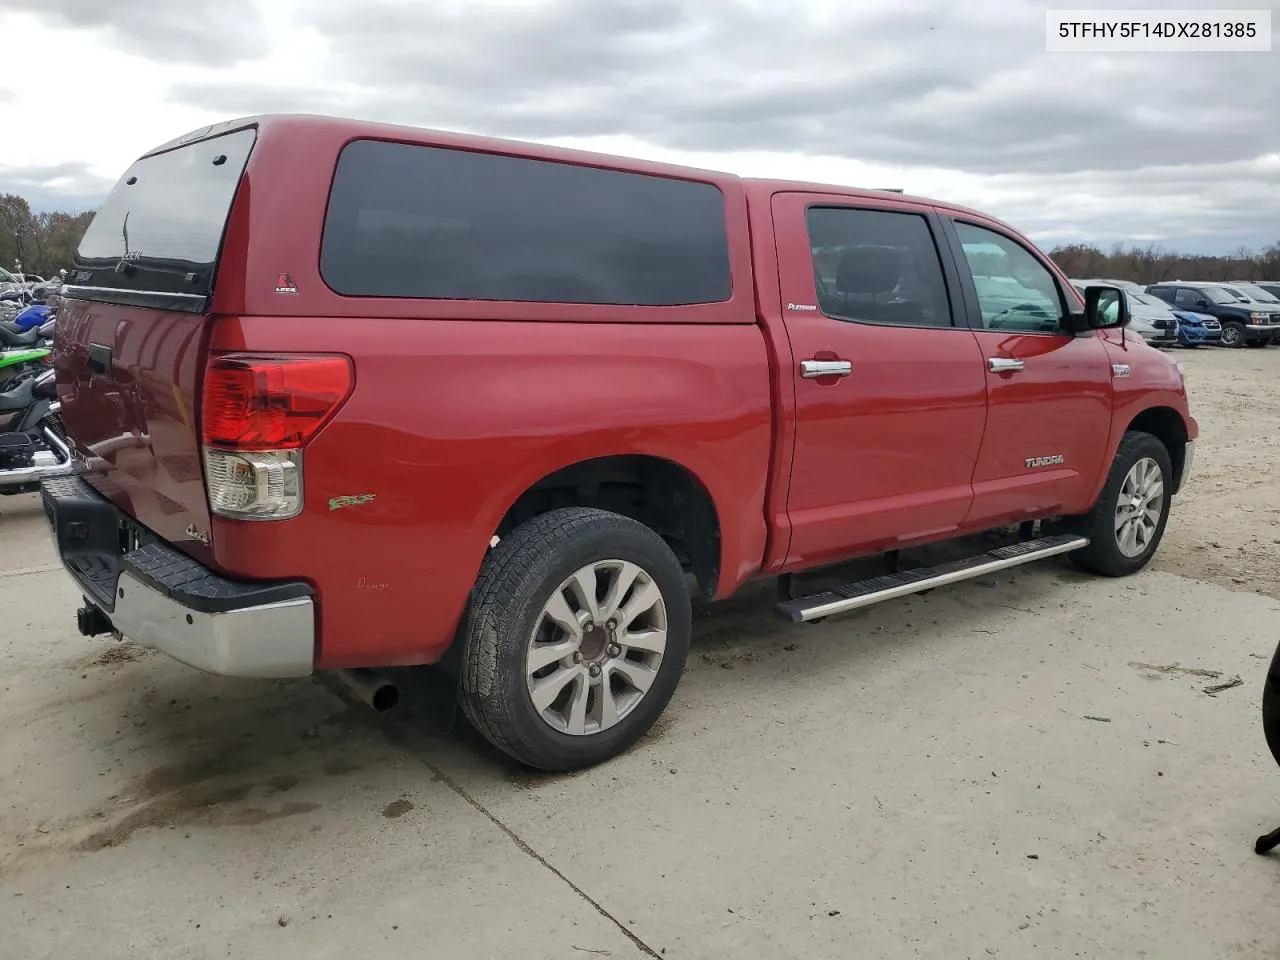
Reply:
x=150, y=810
x=923, y=781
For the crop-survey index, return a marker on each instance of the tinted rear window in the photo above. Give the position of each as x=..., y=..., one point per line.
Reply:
x=436, y=223
x=160, y=229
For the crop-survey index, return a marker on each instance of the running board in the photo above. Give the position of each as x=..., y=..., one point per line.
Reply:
x=864, y=593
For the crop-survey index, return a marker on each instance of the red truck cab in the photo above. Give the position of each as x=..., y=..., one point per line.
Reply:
x=347, y=396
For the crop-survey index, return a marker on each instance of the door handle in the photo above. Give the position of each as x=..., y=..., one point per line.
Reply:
x=1004, y=365
x=812, y=369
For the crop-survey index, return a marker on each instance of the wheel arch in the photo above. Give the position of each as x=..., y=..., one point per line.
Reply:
x=1168, y=426
x=666, y=496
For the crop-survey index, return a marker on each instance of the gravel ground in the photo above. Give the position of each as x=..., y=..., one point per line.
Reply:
x=1227, y=528
x=1026, y=766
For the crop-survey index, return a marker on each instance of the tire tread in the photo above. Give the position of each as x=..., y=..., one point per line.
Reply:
x=511, y=571
x=1102, y=556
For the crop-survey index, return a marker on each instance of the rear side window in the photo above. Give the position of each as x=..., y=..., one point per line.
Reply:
x=155, y=240
x=877, y=266
x=437, y=223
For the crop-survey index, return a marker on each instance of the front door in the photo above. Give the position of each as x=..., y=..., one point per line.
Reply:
x=890, y=389
x=1048, y=388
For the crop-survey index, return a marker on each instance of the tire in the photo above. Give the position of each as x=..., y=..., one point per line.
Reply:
x=1105, y=555
x=1233, y=334
x=508, y=622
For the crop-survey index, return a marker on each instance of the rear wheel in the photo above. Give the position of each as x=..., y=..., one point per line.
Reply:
x=1127, y=523
x=575, y=640
x=1233, y=334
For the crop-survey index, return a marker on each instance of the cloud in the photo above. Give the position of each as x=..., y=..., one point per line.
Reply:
x=201, y=32
x=1113, y=144
x=71, y=186
x=920, y=81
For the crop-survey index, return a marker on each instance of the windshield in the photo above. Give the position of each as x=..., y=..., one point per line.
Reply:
x=1218, y=295
x=1255, y=292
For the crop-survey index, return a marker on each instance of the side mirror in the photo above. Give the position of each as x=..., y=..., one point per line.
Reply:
x=1105, y=308
x=1202, y=303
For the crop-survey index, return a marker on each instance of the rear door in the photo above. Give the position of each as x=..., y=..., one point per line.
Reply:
x=131, y=332
x=1048, y=389
x=890, y=393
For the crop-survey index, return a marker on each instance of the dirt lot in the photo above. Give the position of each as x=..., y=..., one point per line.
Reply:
x=1227, y=527
x=1024, y=767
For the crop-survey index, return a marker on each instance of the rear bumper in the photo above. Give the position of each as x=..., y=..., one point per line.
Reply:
x=160, y=598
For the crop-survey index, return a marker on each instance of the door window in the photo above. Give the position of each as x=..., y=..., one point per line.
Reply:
x=877, y=266
x=1187, y=298
x=1016, y=292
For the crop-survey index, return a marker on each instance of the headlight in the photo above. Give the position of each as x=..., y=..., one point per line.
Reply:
x=1257, y=316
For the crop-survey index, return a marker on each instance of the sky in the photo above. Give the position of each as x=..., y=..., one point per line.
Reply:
x=955, y=101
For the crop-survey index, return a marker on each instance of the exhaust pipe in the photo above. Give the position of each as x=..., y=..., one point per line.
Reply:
x=46, y=466
x=370, y=688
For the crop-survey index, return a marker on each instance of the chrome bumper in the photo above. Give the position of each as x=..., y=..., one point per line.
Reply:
x=274, y=640
x=161, y=598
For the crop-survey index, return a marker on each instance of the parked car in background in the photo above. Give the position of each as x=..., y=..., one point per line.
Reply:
x=1243, y=324
x=1271, y=286
x=1197, y=329
x=1257, y=293
x=10, y=282
x=1127, y=285
x=1148, y=317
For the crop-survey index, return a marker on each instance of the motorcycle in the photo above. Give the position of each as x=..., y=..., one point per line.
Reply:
x=36, y=315
x=34, y=338
x=31, y=354
x=19, y=364
x=33, y=441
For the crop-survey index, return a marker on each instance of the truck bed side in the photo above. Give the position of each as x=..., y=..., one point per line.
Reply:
x=407, y=485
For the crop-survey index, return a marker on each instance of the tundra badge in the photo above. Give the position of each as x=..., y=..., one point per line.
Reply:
x=1053, y=461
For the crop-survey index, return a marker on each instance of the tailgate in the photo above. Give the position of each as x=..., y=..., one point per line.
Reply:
x=127, y=378
x=129, y=343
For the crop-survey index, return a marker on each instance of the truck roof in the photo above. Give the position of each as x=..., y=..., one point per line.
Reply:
x=302, y=123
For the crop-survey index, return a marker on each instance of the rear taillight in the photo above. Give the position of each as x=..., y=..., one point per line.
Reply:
x=257, y=414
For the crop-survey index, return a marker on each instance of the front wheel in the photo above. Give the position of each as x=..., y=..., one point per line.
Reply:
x=1233, y=334
x=1127, y=523
x=575, y=639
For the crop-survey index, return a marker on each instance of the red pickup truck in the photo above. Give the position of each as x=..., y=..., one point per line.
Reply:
x=347, y=396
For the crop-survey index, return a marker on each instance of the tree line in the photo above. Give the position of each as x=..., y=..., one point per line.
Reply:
x=1151, y=264
x=44, y=242
x=39, y=243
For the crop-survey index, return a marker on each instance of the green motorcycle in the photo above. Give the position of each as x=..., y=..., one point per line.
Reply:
x=17, y=364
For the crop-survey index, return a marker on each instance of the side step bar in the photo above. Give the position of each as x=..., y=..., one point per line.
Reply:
x=864, y=593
